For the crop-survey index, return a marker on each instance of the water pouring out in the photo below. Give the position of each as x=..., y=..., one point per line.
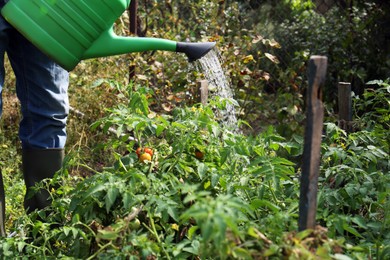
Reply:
x=215, y=75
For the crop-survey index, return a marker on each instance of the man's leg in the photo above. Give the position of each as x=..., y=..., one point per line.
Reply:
x=41, y=87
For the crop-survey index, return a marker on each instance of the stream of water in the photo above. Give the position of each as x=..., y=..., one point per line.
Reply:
x=219, y=85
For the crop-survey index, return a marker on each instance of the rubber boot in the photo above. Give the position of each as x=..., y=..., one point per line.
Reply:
x=39, y=164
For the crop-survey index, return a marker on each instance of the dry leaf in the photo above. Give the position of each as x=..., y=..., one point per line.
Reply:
x=167, y=107
x=272, y=58
x=274, y=44
x=257, y=39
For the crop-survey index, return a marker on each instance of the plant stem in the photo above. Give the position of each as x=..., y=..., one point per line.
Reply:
x=154, y=232
x=100, y=250
x=272, y=192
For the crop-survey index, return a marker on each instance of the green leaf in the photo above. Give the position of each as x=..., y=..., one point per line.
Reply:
x=107, y=234
x=375, y=225
x=37, y=227
x=282, y=161
x=360, y=221
x=202, y=170
x=106, y=126
x=112, y=194
x=351, y=230
x=303, y=234
x=207, y=229
x=127, y=199
x=95, y=125
x=159, y=130
x=75, y=232
x=241, y=253
x=194, y=249
x=257, y=203
x=172, y=211
x=94, y=189
x=214, y=179
x=66, y=230
x=323, y=252
x=21, y=246
x=192, y=231
x=271, y=251
x=224, y=155
x=6, y=249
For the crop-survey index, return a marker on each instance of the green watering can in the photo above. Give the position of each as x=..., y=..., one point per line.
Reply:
x=69, y=31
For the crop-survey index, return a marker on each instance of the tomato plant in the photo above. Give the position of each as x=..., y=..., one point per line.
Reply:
x=145, y=157
x=142, y=151
x=239, y=201
x=198, y=154
x=148, y=151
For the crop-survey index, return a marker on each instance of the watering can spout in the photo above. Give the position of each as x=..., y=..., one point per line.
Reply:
x=194, y=51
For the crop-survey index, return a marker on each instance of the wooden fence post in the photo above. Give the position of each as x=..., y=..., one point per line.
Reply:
x=133, y=16
x=312, y=143
x=203, y=86
x=133, y=30
x=345, y=106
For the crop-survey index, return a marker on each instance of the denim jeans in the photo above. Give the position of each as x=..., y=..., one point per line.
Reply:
x=41, y=87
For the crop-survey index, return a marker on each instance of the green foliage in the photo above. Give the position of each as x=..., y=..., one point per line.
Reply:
x=239, y=201
x=372, y=110
x=354, y=198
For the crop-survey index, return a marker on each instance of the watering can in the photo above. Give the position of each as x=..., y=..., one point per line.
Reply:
x=69, y=31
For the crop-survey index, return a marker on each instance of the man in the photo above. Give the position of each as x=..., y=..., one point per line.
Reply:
x=42, y=89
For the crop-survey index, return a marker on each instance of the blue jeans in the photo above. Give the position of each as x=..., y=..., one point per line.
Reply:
x=41, y=87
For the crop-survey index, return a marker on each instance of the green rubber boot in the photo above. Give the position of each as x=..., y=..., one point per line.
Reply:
x=39, y=164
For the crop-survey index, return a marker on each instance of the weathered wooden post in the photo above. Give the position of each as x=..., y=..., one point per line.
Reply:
x=133, y=30
x=133, y=16
x=312, y=143
x=345, y=106
x=203, y=86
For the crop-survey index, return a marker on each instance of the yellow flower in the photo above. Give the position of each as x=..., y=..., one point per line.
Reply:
x=175, y=226
x=248, y=59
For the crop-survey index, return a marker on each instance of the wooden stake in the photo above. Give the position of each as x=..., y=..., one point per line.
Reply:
x=312, y=143
x=133, y=30
x=133, y=16
x=345, y=106
x=203, y=86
